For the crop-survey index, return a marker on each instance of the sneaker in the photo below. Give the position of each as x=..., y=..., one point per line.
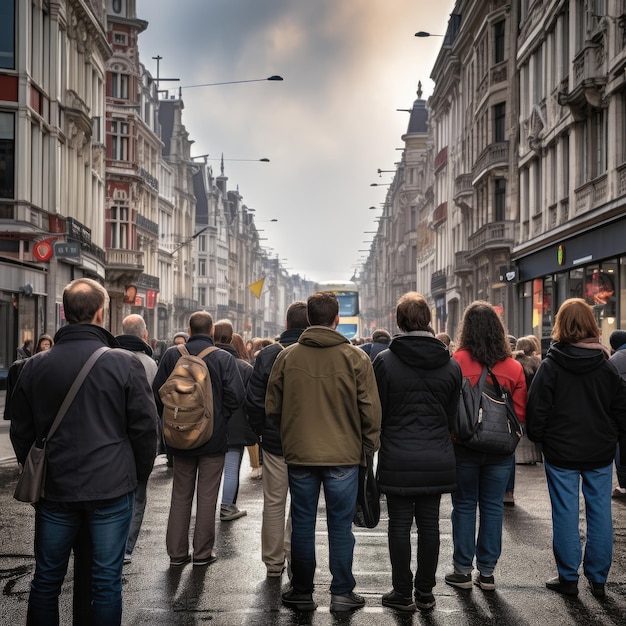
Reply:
x=299, y=601
x=229, y=512
x=509, y=500
x=566, y=587
x=619, y=492
x=597, y=589
x=128, y=558
x=395, y=600
x=210, y=559
x=486, y=583
x=462, y=581
x=424, y=601
x=346, y=601
x=178, y=562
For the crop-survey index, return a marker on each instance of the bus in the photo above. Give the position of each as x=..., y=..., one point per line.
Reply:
x=347, y=294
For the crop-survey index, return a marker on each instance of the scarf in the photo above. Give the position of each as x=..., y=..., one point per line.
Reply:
x=593, y=343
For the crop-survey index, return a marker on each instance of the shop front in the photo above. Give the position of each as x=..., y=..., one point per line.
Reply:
x=590, y=265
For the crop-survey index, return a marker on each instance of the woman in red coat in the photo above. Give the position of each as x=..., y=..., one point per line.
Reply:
x=482, y=478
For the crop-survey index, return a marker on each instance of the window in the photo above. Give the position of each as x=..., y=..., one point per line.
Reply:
x=7, y=34
x=202, y=243
x=118, y=227
x=119, y=140
x=498, y=41
x=499, y=200
x=119, y=39
x=594, y=146
x=201, y=267
x=7, y=155
x=499, y=111
x=202, y=296
x=119, y=86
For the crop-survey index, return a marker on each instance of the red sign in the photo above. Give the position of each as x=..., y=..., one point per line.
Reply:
x=151, y=297
x=42, y=250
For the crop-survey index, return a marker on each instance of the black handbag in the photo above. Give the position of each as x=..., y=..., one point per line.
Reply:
x=367, y=513
x=486, y=419
x=32, y=479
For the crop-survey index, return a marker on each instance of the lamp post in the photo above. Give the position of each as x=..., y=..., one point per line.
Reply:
x=273, y=78
x=422, y=33
x=380, y=184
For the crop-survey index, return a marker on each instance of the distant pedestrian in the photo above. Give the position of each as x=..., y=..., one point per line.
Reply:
x=618, y=344
x=26, y=350
x=577, y=411
x=482, y=478
x=419, y=386
x=275, y=532
x=322, y=393
x=199, y=470
x=240, y=433
x=179, y=338
x=380, y=341
x=134, y=340
x=105, y=443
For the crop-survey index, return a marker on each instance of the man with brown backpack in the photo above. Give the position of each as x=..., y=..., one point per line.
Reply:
x=197, y=446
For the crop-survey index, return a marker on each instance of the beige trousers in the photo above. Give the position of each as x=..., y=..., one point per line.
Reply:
x=253, y=452
x=275, y=534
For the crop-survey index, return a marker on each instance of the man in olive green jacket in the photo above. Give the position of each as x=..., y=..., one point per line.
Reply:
x=322, y=394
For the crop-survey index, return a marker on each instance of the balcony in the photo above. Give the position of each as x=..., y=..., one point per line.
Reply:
x=148, y=178
x=186, y=304
x=146, y=281
x=440, y=215
x=462, y=264
x=438, y=282
x=463, y=191
x=493, y=236
x=123, y=267
x=148, y=225
x=494, y=155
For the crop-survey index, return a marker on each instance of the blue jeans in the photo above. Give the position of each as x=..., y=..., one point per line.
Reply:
x=232, y=467
x=340, y=491
x=57, y=525
x=564, y=490
x=402, y=510
x=481, y=483
x=620, y=469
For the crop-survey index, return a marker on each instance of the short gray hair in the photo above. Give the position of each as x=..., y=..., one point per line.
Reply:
x=134, y=325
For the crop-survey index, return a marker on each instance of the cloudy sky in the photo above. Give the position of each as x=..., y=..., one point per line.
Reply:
x=327, y=128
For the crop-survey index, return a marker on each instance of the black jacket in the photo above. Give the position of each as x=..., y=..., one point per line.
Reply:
x=374, y=347
x=228, y=391
x=107, y=439
x=576, y=407
x=255, y=396
x=419, y=386
x=239, y=431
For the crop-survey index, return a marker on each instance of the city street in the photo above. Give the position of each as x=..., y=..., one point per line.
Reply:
x=234, y=590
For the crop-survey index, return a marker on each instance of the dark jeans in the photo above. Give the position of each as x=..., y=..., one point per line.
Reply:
x=57, y=525
x=402, y=511
x=340, y=491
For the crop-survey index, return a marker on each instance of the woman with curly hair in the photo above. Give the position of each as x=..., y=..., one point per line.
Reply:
x=482, y=478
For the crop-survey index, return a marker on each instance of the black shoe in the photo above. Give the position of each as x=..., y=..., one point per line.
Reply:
x=299, y=601
x=462, y=581
x=178, y=562
x=486, y=583
x=566, y=587
x=346, y=601
x=597, y=589
x=395, y=600
x=424, y=601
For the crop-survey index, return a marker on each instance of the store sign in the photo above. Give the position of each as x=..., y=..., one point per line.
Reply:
x=67, y=250
x=42, y=250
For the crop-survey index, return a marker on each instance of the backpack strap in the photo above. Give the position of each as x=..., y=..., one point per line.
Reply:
x=182, y=348
x=206, y=352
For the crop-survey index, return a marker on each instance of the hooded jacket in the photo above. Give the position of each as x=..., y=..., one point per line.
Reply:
x=107, y=439
x=257, y=385
x=142, y=351
x=576, y=407
x=419, y=386
x=322, y=393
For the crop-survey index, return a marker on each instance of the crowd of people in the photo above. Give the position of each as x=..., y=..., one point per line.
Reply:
x=311, y=408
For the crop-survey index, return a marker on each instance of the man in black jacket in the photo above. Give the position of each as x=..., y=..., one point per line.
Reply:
x=105, y=443
x=275, y=536
x=204, y=464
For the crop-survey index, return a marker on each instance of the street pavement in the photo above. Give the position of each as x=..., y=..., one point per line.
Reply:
x=234, y=590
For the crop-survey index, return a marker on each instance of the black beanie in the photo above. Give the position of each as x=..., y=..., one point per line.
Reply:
x=617, y=339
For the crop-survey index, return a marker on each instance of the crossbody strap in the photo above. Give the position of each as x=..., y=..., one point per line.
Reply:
x=76, y=385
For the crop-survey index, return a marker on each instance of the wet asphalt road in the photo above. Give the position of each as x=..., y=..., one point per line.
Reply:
x=235, y=591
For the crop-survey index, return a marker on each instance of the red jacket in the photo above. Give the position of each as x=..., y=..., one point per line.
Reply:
x=509, y=373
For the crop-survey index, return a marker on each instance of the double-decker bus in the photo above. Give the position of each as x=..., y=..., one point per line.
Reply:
x=347, y=294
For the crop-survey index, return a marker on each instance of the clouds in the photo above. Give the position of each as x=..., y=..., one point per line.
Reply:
x=347, y=65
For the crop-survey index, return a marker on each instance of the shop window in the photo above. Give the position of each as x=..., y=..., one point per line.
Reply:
x=622, y=293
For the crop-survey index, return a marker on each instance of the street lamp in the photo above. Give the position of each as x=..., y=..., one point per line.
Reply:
x=380, y=184
x=380, y=172
x=423, y=33
x=206, y=158
x=231, y=82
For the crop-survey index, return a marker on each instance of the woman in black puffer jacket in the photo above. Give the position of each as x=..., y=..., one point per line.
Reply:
x=419, y=386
